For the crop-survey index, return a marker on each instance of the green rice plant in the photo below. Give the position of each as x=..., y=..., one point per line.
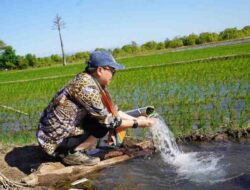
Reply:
x=201, y=121
x=19, y=138
x=185, y=120
x=213, y=123
x=231, y=114
x=222, y=116
x=239, y=90
x=242, y=118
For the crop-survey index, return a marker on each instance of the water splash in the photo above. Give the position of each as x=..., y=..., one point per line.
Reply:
x=200, y=167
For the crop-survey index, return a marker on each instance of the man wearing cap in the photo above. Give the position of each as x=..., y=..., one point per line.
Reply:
x=79, y=113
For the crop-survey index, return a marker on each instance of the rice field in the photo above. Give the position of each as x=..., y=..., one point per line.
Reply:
x=164, y=58
x=199, y=96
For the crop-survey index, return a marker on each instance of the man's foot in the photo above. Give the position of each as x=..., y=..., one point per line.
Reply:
x=79, y=158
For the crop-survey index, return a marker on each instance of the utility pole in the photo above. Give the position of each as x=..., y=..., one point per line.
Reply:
x=58, y=24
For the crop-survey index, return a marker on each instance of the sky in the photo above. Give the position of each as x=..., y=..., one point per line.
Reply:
x=26, y=25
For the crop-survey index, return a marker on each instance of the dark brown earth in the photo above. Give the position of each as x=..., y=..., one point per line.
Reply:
x=225, y=134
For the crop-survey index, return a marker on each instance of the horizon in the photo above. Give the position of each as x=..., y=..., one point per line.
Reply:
x=27, y=24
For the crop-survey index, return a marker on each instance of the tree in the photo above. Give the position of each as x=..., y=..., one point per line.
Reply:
x=22, y=62
x=246, y=31
x=206, y=37
x=100, y=49
x=127, y=48
x=189, y=40
x=160, y=45
x=82, y=56
x=46, y=61
x=130, y=48
x=134, y=47
x=2, y=45
x=176, y=42
x=117, y=52
x=151, y=45
x=58, y=25
x=229, y=33
x=31, y=59
x=9, y=59
x=166, y=42
x=55, y=58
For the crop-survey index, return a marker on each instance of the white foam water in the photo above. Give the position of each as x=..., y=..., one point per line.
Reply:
x=200, y=167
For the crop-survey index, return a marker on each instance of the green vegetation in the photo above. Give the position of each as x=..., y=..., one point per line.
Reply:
x=2, y=45
x=196, y=96
x=163, y=58
x=9, y=60
x=187, y=55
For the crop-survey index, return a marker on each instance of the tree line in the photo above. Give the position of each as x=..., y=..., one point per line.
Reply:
x=9, y=59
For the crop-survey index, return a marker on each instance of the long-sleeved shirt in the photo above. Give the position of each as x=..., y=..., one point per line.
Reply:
x=61, y=119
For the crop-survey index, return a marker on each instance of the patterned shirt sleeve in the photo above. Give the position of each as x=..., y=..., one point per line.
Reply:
x=85, y=92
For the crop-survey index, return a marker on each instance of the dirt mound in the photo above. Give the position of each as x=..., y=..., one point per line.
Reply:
x=17, y=162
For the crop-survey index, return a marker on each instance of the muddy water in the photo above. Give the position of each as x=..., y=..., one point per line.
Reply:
x=193, y=166
x=232, y=171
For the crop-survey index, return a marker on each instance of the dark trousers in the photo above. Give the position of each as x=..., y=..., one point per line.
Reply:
x=91, y=127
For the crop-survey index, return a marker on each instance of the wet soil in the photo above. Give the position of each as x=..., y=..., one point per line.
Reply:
x=223, y=135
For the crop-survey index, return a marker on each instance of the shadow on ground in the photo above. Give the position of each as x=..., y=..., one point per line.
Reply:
x=27, y=158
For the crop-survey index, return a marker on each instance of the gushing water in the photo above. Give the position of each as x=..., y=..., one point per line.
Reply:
x=201, y=167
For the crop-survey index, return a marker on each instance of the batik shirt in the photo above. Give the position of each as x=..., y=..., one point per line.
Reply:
x=61, y=119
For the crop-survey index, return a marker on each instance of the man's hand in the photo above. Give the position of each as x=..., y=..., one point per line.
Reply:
x=144, y=122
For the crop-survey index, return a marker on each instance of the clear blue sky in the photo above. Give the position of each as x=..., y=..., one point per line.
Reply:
x=26, y=24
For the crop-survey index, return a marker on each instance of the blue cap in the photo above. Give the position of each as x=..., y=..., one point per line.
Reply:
x=102, y=59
